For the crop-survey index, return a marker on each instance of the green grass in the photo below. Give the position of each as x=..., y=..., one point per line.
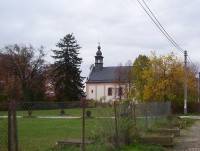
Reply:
x=70, y=112
x=3, y=134
x=41, y=134
x=91, y=147
x=142, y=147
x=111, y=147
x=187, y=123
x=96, y=112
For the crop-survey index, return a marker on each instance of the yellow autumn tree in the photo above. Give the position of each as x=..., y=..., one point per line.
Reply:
x=161, y=78
x=138, y=82
x=165, y=79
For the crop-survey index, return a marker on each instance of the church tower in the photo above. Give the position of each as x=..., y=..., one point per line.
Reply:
x=98, y=58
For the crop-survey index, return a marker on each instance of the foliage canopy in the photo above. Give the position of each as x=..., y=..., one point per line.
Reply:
x=161, y=78
x=67, y=80
x=22, y=69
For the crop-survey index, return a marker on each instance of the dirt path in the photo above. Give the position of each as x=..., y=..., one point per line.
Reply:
x=190, y=139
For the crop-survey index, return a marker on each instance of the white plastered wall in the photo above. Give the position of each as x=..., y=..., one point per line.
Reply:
x=91, y=92
x=97, y=91
x=100, y=91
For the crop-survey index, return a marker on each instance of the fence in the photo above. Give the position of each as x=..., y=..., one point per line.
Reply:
x=3, y=127
x=50, y=125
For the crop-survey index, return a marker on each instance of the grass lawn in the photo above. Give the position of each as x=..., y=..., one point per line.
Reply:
x=96, y=112
x=3, y=134
x=41, y=134
x=103, y=147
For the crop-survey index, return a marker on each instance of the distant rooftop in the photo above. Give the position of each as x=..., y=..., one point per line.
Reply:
x=105, y=74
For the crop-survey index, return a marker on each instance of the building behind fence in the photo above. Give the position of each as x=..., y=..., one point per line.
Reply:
x=42, y=125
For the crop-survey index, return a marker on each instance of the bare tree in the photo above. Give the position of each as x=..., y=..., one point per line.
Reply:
x=129, y=75
x=24, y=65
x=122, y=79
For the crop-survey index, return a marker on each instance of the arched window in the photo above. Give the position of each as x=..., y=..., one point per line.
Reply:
x=109, y=91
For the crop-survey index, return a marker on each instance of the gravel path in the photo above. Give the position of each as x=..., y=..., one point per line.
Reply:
x=190, y=139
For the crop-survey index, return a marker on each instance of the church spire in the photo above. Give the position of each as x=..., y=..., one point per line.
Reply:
x=98, y=58
x=99, y=53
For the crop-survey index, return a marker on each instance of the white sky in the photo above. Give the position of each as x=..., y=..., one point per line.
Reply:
x=122, y=27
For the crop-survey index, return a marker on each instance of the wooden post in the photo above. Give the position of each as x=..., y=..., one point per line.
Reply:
x=15, y=125
x=116, y=125
x=83, y=122
x=9, y=126
x=12, y=126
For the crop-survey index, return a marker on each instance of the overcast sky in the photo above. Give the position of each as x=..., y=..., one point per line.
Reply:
x=122, y=27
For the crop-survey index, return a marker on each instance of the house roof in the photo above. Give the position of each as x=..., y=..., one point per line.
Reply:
x=106, y=74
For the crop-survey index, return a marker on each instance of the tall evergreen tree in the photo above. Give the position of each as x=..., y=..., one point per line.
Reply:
x=67, y=80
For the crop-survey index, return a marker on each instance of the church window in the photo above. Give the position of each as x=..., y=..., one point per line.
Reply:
x=109, y=91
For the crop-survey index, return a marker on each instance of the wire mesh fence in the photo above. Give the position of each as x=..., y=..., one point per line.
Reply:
x=151, y=113
x=121, y=123
x=42, y=124
x=3, y=127
x=45, y=126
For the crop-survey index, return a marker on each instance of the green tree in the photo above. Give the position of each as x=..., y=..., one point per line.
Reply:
x=67, y=80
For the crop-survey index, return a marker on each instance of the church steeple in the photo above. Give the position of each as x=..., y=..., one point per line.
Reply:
x=99, y=58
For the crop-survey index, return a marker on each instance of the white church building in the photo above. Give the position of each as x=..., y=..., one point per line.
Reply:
x=107, y=83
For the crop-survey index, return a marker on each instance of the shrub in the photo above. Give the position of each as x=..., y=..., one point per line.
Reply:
x=170, y=118
x=127, y=132
x=88, y=113
x=62, y=112
x=30, y=112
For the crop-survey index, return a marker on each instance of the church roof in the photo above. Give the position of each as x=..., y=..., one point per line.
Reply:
x=105, y=74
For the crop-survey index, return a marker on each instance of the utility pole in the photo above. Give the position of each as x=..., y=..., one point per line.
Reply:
x=198, y=110
x=198, y=86
x=185, y=82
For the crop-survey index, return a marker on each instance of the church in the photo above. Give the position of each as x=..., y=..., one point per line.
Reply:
x=107, y=83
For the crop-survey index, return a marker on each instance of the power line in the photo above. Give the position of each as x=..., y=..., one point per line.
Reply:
x=164, y=32
x=162, y=29
x=158, y=24
x=192, y=64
